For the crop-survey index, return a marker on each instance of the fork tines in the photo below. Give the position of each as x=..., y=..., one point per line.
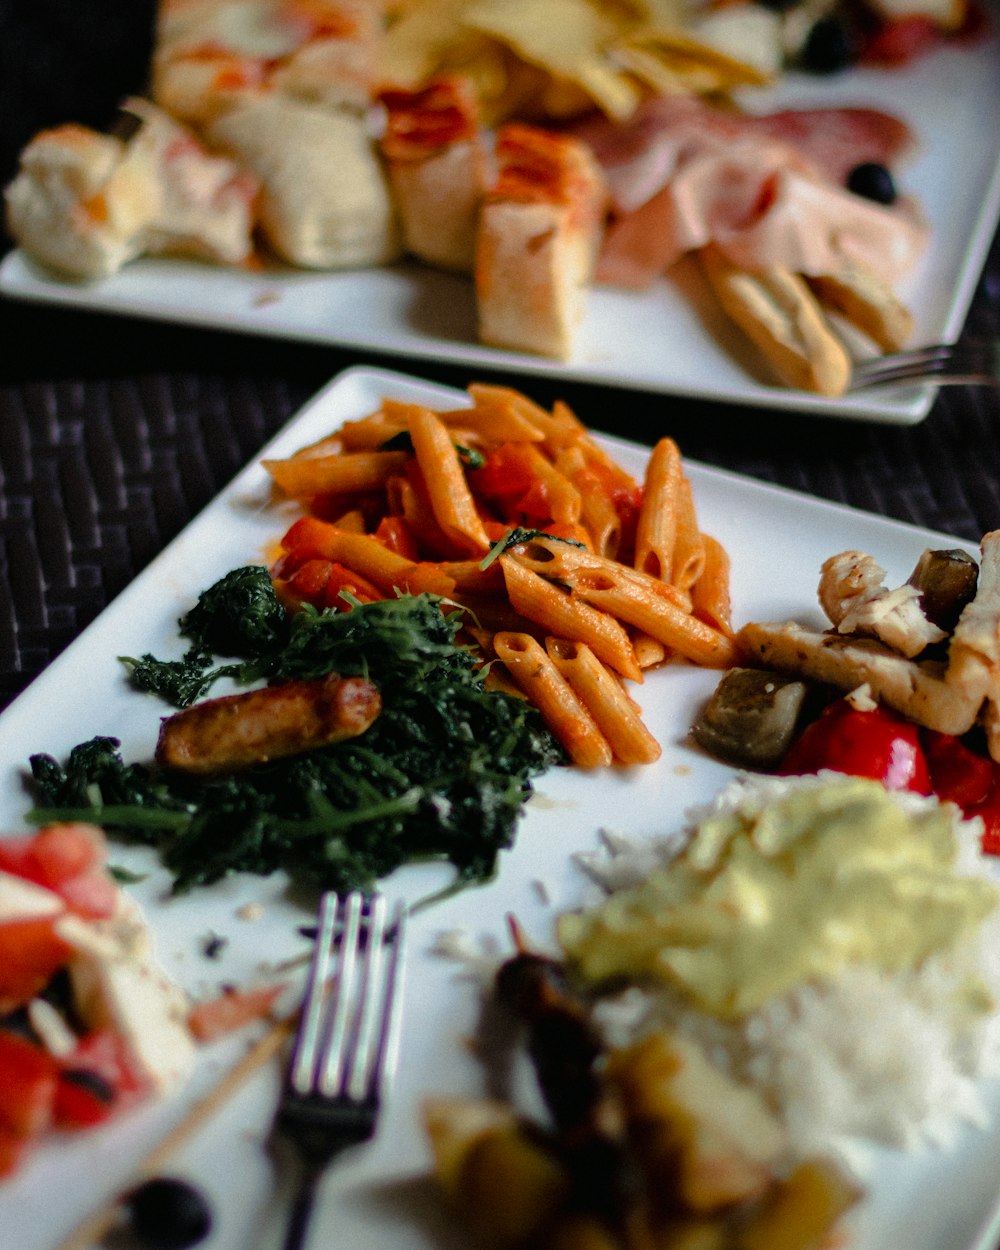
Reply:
x=972, y=361
x=348, y=1036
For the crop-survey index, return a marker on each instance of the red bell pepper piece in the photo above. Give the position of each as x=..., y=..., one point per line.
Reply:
x=878, y=743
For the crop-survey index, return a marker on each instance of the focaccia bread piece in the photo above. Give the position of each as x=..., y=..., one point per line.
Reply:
x=438, y=170
x=78, y=205
x=539, y=231
x=86, y=203
x=324, y=202
x=211, y=53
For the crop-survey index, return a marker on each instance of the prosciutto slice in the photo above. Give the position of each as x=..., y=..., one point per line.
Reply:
x=767, y=189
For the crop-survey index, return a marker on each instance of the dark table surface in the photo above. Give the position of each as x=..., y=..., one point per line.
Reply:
x=114, y=432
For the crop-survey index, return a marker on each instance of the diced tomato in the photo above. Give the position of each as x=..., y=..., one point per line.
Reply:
x=231, y=1010
x=309, y=537
x=958, y=774
x=98, y=1079
x=54, y=854
x=879, y=744
x=27, y=1088
x=309, y=581
x=343, y=581
x=394, y=532
x=31, y=953
x=69, y=860
x=504, y=479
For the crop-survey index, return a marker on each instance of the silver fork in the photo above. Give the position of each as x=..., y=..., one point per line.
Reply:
x=345, y=1049
x=973, y=362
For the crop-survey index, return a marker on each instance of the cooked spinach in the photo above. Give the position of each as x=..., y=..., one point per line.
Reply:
x=443, y=773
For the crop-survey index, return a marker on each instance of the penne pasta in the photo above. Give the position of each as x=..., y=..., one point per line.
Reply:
x=598, y=514
x=649, y=652
x=451, y=499
x=559, y=613
x=642, y=607
x=657, y=526
x=353, y=521
x=493, y=423
x=560, y=560
x=689, y=553
x=710, y=597
x=346, y=474
x=370, y=433
x=606, y=699
x=531, y=669
x=364, y=554
x=504, y=403
x=616, y=578
x=409, y=499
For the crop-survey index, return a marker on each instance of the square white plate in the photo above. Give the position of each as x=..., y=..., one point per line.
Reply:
x=380, y=1199
x=671, y=339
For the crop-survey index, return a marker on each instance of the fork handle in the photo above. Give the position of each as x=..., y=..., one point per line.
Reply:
x=302, y=1208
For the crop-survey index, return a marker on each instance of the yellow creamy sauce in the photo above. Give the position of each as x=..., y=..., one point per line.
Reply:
x=763, y=900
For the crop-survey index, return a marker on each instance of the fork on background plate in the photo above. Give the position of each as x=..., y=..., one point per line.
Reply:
x=345, y=1050
x=972, y=362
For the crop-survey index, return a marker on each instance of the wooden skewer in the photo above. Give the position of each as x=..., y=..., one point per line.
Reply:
x=88, y=1233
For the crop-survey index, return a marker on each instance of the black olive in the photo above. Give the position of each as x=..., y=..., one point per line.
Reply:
x=168, y=1214
x=873, y=181
x=828, y=47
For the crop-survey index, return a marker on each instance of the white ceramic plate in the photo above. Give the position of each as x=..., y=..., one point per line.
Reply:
x=671, y=339
x=380, y=1199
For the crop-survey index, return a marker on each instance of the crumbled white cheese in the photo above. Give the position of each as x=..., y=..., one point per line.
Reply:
x=23, y=900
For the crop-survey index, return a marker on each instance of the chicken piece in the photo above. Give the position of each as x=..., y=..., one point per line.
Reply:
x=236, y=731
x=922, y=690
x=854, y=596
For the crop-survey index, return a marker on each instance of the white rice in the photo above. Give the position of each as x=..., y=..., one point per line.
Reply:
x=891, y=1059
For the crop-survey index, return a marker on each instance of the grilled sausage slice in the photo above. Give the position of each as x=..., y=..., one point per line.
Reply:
x=236, y=731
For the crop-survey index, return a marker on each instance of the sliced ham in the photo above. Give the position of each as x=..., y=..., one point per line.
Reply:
x=640, y=156
x=768, y=190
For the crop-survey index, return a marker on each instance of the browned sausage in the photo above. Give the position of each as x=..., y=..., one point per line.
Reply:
x=238, y=730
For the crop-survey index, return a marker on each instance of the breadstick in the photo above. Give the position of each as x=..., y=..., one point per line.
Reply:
x=860, y=296
x=776, y=309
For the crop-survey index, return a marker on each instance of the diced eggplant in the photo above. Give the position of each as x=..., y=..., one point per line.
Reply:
x=947, y=581
x=752, y=717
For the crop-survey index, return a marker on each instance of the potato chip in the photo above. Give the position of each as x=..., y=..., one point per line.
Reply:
x=565, y=37
x=671, y=61
x=419, y=40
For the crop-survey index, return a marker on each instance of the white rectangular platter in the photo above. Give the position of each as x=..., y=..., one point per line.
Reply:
x=671, y=339
x=380, y=1198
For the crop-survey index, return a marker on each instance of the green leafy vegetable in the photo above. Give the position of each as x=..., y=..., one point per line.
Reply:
x=443, y=772
x=515, y=537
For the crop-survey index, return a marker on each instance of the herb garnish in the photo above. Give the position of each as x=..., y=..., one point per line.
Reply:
x=443, y=773
x=515, y=537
